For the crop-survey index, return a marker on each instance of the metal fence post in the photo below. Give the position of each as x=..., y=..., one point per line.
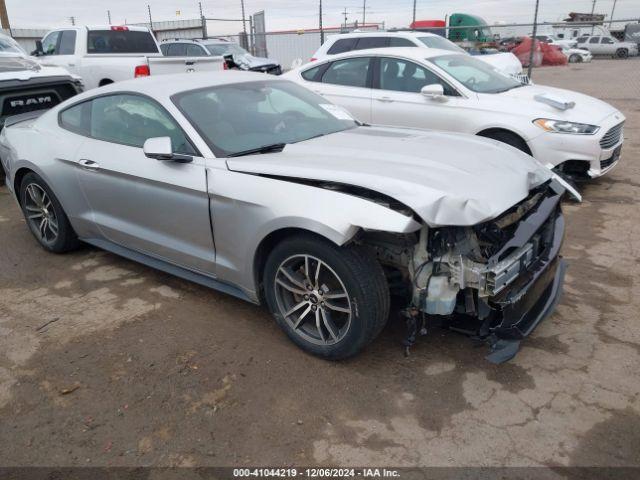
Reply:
x=533, y=40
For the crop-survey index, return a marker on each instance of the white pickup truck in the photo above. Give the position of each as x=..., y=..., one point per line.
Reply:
x=107, y=54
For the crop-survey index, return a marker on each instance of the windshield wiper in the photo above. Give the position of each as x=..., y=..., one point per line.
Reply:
x=276, y=147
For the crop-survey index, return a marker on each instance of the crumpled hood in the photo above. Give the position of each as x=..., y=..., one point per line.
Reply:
x=506, y=62
x=249, y=61
x=446, y=178
x=586, y=110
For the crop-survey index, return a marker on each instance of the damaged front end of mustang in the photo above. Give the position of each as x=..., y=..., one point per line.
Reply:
x=495, y=281
x=483, y=226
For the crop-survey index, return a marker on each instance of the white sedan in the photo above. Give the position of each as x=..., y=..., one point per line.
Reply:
x=573, y=133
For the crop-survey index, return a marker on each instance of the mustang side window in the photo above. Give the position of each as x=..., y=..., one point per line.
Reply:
x=132, y=119
x=77, y=118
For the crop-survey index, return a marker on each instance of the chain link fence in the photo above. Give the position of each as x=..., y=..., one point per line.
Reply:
x=292, y=49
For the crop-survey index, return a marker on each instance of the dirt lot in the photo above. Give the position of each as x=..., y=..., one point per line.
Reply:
x=106, y=362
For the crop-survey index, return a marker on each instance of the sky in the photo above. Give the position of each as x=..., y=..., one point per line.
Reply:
x=297, y=14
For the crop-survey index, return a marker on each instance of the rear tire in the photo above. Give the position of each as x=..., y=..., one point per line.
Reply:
x=622, y=53
x=508, y=138
x=45, y=217
x=332, y=314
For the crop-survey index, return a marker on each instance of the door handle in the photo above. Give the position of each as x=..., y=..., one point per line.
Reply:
x=385, y=99
x=319, y=92
x=71, y=64
x=88, y=164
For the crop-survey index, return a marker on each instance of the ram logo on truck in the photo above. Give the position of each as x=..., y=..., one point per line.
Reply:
x=31, y=101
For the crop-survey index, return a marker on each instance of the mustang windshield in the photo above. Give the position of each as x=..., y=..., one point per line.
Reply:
x=475, y=74
x=244, y=117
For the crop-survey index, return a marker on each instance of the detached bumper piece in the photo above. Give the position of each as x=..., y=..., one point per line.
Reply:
x=522, y=321
x=519, y=309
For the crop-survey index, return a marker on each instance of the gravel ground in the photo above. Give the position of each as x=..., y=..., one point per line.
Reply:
x=106, y=362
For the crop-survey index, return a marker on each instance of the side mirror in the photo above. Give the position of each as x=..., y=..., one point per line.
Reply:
x=159, y=148
x=435, y=91
x=229, y=63
x=38, y=52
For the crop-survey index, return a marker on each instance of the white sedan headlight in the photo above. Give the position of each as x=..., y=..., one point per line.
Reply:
x=560, y=126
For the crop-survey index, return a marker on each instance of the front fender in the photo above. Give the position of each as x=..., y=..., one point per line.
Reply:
x=246, y=208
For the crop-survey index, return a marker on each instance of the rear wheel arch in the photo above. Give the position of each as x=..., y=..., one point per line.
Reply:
x=105, y=81
x=506, y=136
x=17, y=181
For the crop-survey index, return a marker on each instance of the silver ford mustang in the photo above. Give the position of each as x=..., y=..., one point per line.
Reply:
x=257, y=187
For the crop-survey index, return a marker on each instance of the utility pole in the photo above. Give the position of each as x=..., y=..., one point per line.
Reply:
x=593, y=9
x=533, y=39
x=109, y=16
x=364, y=12
x=4, y=17
x=320, y=25
x=414, y=11
x=345, y=17
x=203, y=21
x=150, y=20
x=244, y=25
x=73, y=21
x=612, y=12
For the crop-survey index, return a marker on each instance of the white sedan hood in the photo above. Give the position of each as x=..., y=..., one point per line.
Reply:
x=586, y=110
x=446, y=178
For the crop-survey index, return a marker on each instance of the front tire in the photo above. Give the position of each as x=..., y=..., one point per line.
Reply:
x=331, y=301
x=45, y=217
x=575, y=58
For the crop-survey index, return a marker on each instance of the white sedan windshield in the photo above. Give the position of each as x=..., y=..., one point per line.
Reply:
x=441, y=43
x=240, y=117
x=475, y=74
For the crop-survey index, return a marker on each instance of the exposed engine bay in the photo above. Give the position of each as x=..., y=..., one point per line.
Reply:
x=491, y=280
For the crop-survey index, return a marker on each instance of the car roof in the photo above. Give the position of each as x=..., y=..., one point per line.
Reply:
x=398, y=33
x=199, y=41
x=408, y=52
x=161, y=87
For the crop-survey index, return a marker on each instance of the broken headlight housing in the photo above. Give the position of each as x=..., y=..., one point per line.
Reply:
x=561, y=126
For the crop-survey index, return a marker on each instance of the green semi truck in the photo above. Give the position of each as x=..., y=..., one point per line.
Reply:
x=477, y=29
